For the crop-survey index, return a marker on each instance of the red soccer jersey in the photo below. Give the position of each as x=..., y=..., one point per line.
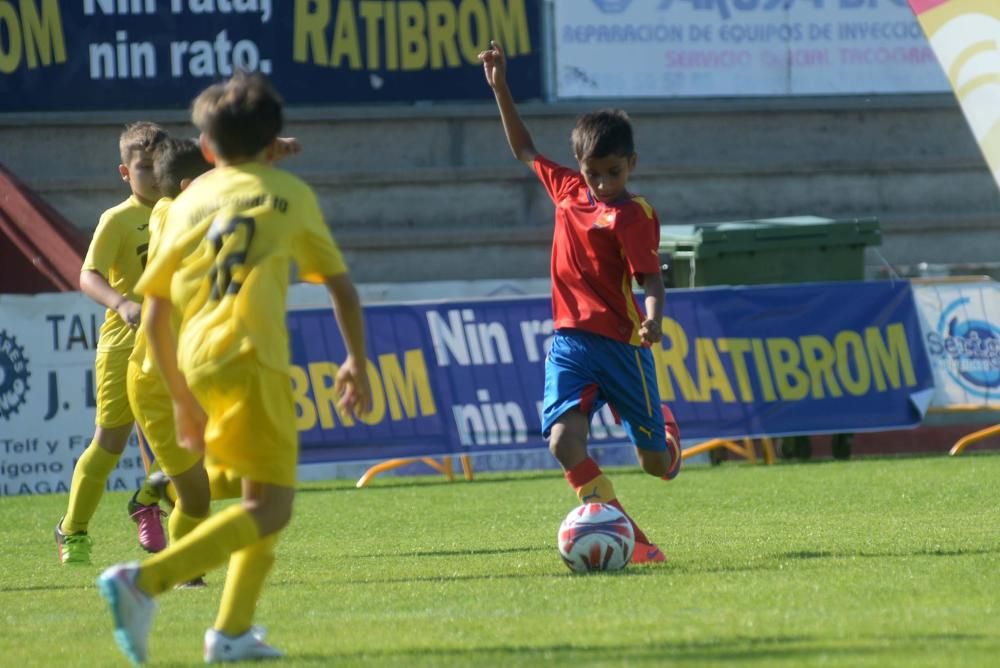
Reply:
x=596, y=249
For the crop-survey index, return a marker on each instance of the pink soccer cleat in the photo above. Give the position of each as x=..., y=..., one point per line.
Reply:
x=149, y=522
x=673, y=443
x=647, y=553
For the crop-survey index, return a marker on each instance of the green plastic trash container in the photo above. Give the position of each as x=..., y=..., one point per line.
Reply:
x=799, y=249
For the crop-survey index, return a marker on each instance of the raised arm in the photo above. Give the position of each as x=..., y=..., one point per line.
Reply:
x=518, y=137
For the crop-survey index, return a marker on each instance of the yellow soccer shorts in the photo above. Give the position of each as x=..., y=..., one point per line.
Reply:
x=154, y=412
x=251, y=421
x=110, y=370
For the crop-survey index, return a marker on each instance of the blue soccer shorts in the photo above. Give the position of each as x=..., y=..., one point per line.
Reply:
x=584, y=371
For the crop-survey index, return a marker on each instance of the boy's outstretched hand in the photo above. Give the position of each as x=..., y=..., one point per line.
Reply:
x=494, y=65
x=351, y=385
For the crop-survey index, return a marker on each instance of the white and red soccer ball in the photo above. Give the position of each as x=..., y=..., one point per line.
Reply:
x=596, y=537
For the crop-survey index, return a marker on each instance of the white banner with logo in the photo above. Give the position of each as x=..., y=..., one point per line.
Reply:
x=725, y=48
x=47, y=347
x=961, y=327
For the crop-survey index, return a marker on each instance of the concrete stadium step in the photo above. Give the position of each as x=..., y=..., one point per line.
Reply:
x=432, y=192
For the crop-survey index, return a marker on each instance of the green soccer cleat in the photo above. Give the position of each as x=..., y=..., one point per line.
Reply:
x=74, y=548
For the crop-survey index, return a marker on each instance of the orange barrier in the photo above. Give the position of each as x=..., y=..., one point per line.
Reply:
x=745, y=449
x=973, y=411
x=444, y=466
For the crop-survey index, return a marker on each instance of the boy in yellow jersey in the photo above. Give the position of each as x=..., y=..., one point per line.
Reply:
x=225, y=257
x=176, y=163
x=114, y=261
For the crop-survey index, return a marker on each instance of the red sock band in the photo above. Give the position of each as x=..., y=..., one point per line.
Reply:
x=582, y=473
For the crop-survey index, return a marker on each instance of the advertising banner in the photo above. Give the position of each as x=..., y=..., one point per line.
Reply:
x=142, y=54
x=466, y=377
x=726, y=48
x=457, y=377
x=965, y=35
x=961, y=327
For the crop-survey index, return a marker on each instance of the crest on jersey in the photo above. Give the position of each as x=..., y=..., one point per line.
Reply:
x=605, y=219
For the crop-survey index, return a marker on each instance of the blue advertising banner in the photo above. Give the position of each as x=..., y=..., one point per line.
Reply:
x=141, y=54
x=467, y=376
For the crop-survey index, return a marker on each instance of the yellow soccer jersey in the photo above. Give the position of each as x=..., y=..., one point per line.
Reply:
x=118, y=253
x=141, y=354
x=224, y=259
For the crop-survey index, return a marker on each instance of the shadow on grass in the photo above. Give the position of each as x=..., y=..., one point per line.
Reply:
x=453, y=553
x=627, y=573
x=766, y=562
x=51, y=587
x=761, y=650
x=937, y=552
x=555, y=573
x=774, y=562
x=676, y=567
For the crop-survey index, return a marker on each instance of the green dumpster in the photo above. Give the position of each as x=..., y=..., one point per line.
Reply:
x=774, y=250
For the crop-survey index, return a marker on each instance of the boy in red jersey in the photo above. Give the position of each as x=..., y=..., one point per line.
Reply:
x=604, y=236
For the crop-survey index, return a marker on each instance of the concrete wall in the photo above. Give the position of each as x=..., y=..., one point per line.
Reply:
x=432, y=192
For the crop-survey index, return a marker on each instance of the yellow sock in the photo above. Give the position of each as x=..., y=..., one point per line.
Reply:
x=89, y=477
x=181, y=524
x=205, y=548
x=224, y=483
x=247, y=570
x=147, y=494
x=596, y=490
x=592, y=486
x=171, y=493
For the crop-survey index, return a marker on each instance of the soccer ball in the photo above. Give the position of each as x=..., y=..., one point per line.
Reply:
x=596, y=537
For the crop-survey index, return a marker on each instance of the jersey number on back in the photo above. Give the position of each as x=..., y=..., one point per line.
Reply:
x=230, y=239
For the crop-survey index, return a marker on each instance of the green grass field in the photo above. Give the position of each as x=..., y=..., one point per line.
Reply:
x=878, y=562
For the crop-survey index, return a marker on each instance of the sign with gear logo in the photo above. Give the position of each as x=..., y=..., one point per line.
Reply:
x=14, y=376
